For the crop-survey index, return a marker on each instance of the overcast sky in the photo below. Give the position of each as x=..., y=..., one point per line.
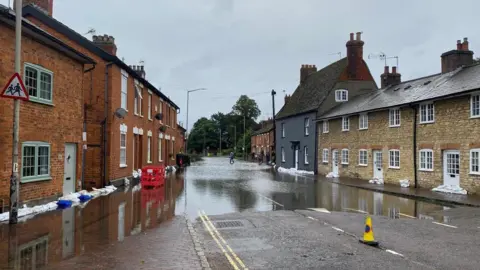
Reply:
x=235, y=47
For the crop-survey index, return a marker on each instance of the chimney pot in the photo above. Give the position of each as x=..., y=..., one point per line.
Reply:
x=459, y=45
x=351, y=36
x=394, y=70
x=386, y=70
x=142, y=68
x=359, y=36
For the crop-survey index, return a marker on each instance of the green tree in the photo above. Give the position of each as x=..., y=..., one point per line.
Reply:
x=247, y=107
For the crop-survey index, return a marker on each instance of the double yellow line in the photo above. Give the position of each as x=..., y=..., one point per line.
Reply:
x=235, y=262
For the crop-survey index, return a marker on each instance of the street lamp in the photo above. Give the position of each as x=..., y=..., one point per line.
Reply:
x=188, y=99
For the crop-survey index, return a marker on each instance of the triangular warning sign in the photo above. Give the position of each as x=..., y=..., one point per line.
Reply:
x=15, y=88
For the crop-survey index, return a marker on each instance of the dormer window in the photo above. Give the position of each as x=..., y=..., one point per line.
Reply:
x=341, y=95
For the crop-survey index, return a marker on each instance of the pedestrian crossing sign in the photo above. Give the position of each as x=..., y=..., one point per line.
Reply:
x=15, y=88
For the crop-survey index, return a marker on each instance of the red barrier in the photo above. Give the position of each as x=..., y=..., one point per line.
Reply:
x=153, y=176
x=155, y=195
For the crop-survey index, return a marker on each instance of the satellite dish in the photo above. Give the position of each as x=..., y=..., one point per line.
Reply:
x=120, y=113
x=159, y=116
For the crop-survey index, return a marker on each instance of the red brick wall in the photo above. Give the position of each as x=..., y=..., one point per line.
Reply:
x=56, y=124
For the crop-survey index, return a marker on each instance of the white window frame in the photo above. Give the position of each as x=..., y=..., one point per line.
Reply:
x=394, y=120
x=341, y=95
x=326, y=126
x=363, y=121
x=390, y=153
x=360, y=161
x=36, y=176
x=149, y=149
x=160, y=157
x=150, y=105
x=40, y=70
x=305, y=155
x=124, y=90
x=345, y=156
x=283, y=154
x=424, y=113
x=345, y=123
x=477, y=151
x=160, y=110
x=283, y=130
x=173, y=149
x=423, y=160
x=325, y=155
x=306, y=123
x=123, y=163
x=138, y=100
x=475, y=101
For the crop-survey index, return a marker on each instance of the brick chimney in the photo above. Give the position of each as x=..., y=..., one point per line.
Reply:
x=306, y=70
x=388, y=78
x=355, y=56
x=107, y=43
x=140, y=70
x=454, y=59
x=45, y=6
x=287, y=98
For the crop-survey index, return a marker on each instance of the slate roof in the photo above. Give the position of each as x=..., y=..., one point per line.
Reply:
x=457, y=82
x=263, y=130
x=309, y=95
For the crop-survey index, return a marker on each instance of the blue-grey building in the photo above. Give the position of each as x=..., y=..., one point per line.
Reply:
x=317, y=92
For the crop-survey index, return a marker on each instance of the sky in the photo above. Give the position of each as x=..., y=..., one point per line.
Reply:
x=235, y=47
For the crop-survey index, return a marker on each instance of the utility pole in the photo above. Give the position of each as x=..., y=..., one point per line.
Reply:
x=273, y=119
x=14, y=192
x=204, y=152
x=244, y=133
x=220, y=142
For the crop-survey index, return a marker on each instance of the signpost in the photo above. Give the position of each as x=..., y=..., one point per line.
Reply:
x=15, y=89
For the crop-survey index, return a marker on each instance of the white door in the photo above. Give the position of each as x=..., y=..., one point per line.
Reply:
x=335, y=162
x=377, y=165
x=70, y=168
x=68, y=232
x=451, y=167
x=296, y=158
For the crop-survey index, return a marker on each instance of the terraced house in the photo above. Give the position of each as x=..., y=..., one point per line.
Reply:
x=318, y=92
x=424, y=130
x=262, y=139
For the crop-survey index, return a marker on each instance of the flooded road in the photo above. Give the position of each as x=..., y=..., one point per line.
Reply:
x=215, y=186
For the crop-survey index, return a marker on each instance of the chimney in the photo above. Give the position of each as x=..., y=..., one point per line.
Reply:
x=140, y=70
x=454, y=59
x=287, y=98
x=46, y=6
x=306, y=70
x=355, y=56
x=106, y=43
x=388, y=78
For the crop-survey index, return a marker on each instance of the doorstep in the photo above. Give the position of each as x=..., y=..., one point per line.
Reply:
x=409, y=192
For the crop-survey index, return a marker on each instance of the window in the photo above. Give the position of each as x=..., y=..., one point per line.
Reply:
x=123, y=149
x=283, y=154
x=149, y=149
x=475, y=106
x=124, y=89
x=394, y=159
x=160, y=158
x=38, y=82
x=363, y=121
x=325, y=126
x=35, y=161
x=149, y=106
x=427, y=113
x=283, y=130
x=307, y=126
x=160, y=108
x=363, y=157
x=394, y=118
x=345, y=123
x=344, y=156
x=138, y=101
x=475, y=161
x=341, y=95
x=325, y=155
x=426, y=160
x=305, y=154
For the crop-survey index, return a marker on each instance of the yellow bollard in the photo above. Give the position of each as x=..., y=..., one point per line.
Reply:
x=368, y=237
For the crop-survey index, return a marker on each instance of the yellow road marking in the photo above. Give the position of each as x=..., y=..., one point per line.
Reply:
x=223, y=240
x=405, y=215
x=218, y=243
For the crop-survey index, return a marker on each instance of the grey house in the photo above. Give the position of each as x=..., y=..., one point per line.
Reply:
x=318, y=92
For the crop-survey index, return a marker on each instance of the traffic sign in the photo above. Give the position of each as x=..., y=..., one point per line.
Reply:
x=15, y=88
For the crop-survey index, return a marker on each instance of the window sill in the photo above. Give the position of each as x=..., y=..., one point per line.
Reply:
x=150, y=119
x=123, y=166
x=346, y=130
x=362, y=165
x=160, y=161
x=325, y=132
x=475, y=173
x=425, y=170
x=344, y=163
x=44, y=102
x=149, y=162
x=325, y=162
x=35, y=179
x=426, y=123
x=394, y=126
x=363, y=129
x=474, y=116
x=306, y=163
x=394, y=168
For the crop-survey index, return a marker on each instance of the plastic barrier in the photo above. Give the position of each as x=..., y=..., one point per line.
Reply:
x=153, y=176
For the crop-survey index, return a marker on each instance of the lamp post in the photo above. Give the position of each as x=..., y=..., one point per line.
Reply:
x=188, y=100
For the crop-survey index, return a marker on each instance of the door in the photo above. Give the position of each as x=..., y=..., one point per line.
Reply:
x=70, y=166
x=68, y=228
x=451, y=167
x=377, y=165
x=335, y=162
x=296, y=159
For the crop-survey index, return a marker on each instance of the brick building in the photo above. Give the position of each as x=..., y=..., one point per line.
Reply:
x=129, y=123
x=424, y=130
x=262, y=139
x=51, y=121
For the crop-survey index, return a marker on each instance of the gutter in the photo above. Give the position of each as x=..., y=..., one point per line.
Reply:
x=84, y=134
x=104, y=127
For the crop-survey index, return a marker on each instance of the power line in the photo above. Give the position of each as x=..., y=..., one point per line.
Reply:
x=247, y=94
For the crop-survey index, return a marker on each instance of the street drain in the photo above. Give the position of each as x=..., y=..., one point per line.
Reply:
x=228, y=224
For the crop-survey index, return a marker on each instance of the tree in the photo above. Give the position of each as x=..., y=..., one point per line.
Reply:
x=247, y=107
x=202, y=135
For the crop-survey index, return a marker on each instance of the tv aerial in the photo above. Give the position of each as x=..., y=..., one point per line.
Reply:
x=382, y=56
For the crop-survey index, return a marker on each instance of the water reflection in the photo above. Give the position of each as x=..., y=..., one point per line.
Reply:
x=55, y=236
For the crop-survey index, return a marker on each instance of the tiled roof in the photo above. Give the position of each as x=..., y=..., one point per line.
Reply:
x=432, y=87
x=309, y=95
x=265, y=129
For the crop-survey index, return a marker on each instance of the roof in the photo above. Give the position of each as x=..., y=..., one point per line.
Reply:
x=267, y=128
x=309, y=95
x=89, y=45
x=8, y=16
x=457, y=82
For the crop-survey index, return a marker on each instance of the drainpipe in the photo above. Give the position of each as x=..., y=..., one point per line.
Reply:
x=84, y=135
x=415, y=176
x=104, y=128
